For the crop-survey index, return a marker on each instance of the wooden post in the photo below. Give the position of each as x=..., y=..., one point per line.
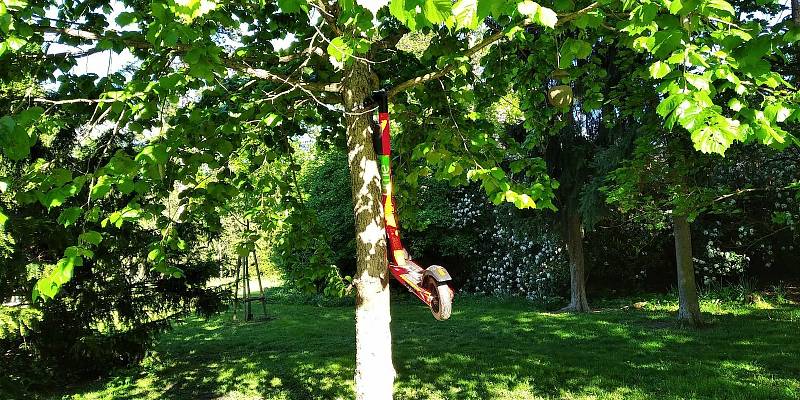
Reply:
x=260, y=286
x=236, y=289
x=249, y=307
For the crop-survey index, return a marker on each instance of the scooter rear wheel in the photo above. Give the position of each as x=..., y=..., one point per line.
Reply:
x=442, y=302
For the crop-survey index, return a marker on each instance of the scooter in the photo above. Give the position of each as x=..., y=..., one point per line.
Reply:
x=432, y=285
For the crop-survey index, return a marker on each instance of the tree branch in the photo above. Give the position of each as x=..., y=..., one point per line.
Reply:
x=63, y=55
x=328, y=14
x=72, y=101
x=134, y=40
x=563, y=19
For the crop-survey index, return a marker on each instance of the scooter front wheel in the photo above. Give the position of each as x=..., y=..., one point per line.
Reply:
x=442, y=301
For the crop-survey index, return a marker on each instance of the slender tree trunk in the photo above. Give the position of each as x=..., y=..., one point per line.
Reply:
x=689, y=308
x=374, y=376
x=796, y=11
x=577, y=271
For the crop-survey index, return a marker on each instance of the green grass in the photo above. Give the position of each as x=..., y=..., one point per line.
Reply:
x=490, y=349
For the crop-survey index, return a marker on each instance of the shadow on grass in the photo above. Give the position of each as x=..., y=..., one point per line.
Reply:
x=487, y=350
x=505, y=353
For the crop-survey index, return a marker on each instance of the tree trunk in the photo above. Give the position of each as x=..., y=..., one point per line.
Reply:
x=577, y=272
x=374, y=376
x=689, y=308
x=796, y=11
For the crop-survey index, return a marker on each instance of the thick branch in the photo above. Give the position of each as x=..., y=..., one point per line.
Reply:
x=796, y=11
x=136, y=41
x=63, y=55
x=563, y=19
x=72, y=101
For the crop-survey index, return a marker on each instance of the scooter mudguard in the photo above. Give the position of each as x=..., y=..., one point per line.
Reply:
x=438, y=273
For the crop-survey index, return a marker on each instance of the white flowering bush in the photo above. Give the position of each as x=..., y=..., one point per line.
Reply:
x=517, y=254
x=714, y=263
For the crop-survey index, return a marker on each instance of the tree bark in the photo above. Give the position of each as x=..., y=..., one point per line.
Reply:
x=796, y=11
x=577, y=271
x=374, y=375
x=689, y=307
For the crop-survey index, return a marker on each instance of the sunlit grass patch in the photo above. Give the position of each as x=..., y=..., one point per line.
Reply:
x=493, y=349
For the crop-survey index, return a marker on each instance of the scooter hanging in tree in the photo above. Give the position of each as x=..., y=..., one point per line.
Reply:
x=432, y=284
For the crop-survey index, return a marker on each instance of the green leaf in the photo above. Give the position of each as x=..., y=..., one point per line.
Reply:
x=541, y=15
x=272, y=120
x=16, y=5
x=398, y=10
x=125, y=185
x=6, y=21
x=675, y=6
x=666, y=41
x=125, y=18
x=100, y=188
x=793, y=35
x=721, y=5
x=564, y=5
x=494, y=8
x=668, y=105
x=293, y=6
x=121, y=164
x=339, y=50
x=437, y=11
x=45, y=288
x=577, y=48
x=718, y=136
x=659, y=69
x=546, y=17
x=64, y=270
x=92, y=237
x=69, y=215
x=698, y=81
x=735, y=104
x=517, y=166
x=189, y=10
x=466, y=13
x=155, y=255
x=14, y=43
x=528, y=8
x=153, y=154
x=524, y=201
x=13, y=139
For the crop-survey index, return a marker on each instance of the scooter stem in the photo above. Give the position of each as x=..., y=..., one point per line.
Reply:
x=383, y=148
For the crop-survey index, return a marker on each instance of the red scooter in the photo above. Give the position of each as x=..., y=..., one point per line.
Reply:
x=432, y=284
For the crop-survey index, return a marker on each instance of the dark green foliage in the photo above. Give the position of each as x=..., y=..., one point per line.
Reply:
x=325, y=183
x=114, y=302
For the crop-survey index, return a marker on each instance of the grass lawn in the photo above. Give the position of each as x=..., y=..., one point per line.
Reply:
x=490, y=349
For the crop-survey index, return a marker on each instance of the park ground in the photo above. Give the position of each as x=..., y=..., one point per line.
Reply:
x=490, y=349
